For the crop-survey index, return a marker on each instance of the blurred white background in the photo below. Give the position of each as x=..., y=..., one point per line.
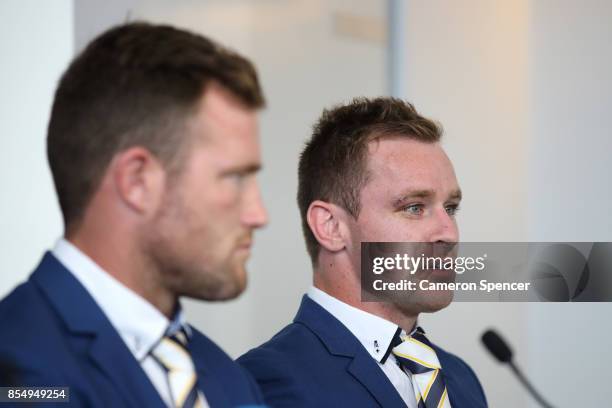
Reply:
x=522, y=88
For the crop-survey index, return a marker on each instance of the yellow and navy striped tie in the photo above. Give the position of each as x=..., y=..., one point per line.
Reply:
x=416, y=355
x=173, y=355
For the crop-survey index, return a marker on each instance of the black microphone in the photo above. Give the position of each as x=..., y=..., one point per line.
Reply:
x=503, y=353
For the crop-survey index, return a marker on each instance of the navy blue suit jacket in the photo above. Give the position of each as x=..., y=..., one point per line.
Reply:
x=317, y=362
x=52, y=333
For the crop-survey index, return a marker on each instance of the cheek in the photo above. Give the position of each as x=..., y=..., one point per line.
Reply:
x=380, y=228
x=392, y=228
x=211, y=195
x=225, y=204
x=216, y=216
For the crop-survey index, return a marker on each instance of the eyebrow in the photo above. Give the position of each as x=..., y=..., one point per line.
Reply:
x=246, y=169
x=455, y=195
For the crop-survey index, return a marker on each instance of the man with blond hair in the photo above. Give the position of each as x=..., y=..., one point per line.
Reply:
x=373, y=171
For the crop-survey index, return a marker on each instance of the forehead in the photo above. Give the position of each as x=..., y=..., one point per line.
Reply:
x=221, y=121
x=398, y=163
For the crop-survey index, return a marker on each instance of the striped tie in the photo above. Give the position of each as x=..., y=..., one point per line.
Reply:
x=173, y=355
x=416, y=355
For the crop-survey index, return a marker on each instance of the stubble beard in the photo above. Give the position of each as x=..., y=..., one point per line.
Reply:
x=184, y=271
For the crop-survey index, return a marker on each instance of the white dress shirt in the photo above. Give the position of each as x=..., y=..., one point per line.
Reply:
x=140, y=329
x=375, y=334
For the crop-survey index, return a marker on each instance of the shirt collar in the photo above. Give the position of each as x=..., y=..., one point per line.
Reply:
x=373, y=332
x=179, y=323
x=143, y=326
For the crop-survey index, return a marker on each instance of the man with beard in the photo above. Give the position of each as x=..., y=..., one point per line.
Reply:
x=153, y=146
x=373, y=171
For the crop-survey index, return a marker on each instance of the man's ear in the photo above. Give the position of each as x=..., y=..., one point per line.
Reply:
x=139, y=179
x=327, y=224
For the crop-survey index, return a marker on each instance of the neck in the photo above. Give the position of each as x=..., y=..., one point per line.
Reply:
x=344, y=284
x=120, y=258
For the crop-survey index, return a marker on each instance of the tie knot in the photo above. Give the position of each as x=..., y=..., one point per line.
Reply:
x=179, y=336
x=416, y=353
x=172, y=352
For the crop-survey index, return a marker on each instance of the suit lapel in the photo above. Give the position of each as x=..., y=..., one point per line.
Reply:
x=126, y=374
x=462, y=390
x=84, y=318
x=342, y=343
x=365, y=370
x=207, y=383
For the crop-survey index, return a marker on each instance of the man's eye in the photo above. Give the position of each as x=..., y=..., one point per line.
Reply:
x=413, y=209
x=452, y=209
x=236, y=178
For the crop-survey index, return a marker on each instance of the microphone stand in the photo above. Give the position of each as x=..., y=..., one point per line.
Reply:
x=528, y=385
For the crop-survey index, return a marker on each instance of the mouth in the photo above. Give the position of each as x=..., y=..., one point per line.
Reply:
x=244, y=245
x=437, y=275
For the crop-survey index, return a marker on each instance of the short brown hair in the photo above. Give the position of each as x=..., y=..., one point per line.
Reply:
x=333, y=164
x=134, y=85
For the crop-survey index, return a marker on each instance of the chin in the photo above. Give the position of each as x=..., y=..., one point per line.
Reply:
x=436, y=302
x=231, y=284
x=216, y=293
x=431, y=308
x=425, y=303
x=233, y=290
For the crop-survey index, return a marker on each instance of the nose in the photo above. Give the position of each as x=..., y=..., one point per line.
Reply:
x=255, y=214
x=444, y=227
